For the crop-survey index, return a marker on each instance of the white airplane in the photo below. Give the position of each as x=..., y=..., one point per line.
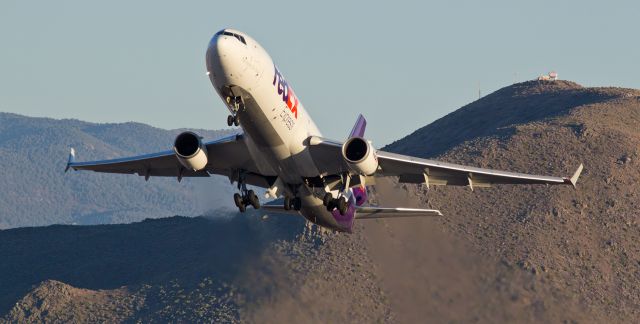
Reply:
x=281, y=149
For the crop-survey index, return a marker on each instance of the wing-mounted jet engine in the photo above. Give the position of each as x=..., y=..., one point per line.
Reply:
x=190, y=151
x=360, y=156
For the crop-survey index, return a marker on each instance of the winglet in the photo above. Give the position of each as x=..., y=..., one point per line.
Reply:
x=575, y=176
x=72, y=158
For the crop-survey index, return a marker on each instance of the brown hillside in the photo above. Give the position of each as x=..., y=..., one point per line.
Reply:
x=575, y=253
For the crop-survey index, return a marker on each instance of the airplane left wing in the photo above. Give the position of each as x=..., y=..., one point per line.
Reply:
x=410, y=169
x=415, y=170
x=226, y=155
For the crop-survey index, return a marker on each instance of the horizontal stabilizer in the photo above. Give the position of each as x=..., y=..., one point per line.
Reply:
x=277, y=206
x=369, y=212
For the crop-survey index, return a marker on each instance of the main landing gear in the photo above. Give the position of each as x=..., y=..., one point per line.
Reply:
x=339, y=203
x=245, y=197
x=292, y=203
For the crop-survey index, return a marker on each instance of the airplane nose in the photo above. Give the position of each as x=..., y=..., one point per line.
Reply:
x=224, y=56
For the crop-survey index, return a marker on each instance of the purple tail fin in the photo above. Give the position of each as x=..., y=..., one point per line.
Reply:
x=359, y=127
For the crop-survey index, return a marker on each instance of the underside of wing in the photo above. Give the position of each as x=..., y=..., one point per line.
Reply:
x=370, y=212
x=430, y=172
x=226, y=156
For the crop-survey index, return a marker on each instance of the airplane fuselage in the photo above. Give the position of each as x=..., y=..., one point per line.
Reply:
x=273, y=119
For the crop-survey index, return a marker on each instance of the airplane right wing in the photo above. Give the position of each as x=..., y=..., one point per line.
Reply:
x=227, y=155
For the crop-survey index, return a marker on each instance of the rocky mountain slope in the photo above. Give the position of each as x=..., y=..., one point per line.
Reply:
x=35, y=190
x=179, y=269
x=501, y=254
x=576, y=251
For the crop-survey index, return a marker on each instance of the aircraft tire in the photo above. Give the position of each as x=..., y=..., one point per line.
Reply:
x=230, y=120
x=287, y=203
x=253, y=199
x=236, y=120
x=242, y=208
x=327, y=199
x=297, y=203
x=237, y=199
x=342, y=205
x=331, y=205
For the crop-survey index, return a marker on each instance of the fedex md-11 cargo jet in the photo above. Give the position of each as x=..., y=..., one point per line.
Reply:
x=281, y=149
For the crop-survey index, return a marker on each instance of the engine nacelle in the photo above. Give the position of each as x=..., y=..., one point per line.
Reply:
x=190, y=151
x=360, y=156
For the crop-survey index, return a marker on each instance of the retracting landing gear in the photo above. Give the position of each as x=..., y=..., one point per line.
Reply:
x=333, y=203
x=341, y=202
x=292, y=203
x=237, y=105
x=245, y=197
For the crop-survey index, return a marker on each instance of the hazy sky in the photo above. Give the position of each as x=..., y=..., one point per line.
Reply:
x=402, y=64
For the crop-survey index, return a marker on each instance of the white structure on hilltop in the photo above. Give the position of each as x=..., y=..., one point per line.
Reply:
x=552, y=76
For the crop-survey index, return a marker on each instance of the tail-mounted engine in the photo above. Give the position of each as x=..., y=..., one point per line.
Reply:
x=360, y=156
x=190, y=151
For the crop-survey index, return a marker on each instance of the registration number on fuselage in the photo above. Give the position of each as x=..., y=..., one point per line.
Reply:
x=288, y=121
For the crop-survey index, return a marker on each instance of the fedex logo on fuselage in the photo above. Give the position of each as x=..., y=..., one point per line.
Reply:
x=287, y=93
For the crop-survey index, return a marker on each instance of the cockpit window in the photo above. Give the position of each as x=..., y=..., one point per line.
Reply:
x=226, y=33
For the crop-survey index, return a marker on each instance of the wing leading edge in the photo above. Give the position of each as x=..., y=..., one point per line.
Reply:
x=226, y=156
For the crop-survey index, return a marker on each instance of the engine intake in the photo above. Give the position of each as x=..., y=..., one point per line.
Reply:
x=190, y=151
x=360, y=156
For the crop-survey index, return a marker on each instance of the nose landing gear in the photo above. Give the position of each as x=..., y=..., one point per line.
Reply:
x=233, y=120
x=238, y=104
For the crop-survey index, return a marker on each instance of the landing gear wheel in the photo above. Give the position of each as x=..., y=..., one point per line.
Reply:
x=253, y=199
x=242, y=208
x=230, y=120
x=236, y=120
x=342, y=205
x=237, y=199
x=297, y=203
x=327, y=199
x=331, y=205
x=287, y=203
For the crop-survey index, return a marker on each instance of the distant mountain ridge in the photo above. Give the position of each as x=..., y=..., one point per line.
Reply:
x=34, y=189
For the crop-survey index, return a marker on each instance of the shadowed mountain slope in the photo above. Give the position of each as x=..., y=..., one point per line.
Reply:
x=188, y=270
x=36, y=191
